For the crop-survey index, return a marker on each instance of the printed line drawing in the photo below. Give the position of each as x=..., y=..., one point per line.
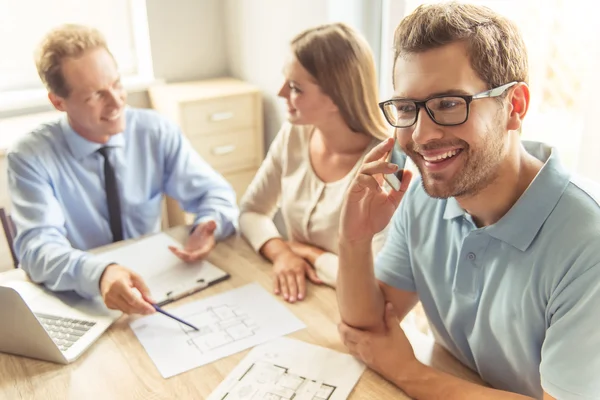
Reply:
x=228, y=322
x=218, y=326
x=265, y=381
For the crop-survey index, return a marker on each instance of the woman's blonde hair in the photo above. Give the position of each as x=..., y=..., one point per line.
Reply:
x=65, y=41
x=341, y=62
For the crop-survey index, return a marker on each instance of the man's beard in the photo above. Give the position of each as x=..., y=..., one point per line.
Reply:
x=479, y=166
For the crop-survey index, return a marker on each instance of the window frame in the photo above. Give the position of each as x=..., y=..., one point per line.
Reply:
x=20, y=100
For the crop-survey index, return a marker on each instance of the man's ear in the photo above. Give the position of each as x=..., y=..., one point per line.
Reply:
x=519, y=104
x=57, y=101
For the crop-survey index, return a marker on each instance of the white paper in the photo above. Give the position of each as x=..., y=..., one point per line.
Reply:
x=229, y=322
x=164, y=273
x=286, y=368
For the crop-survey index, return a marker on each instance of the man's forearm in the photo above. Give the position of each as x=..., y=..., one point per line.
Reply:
x=48, y=260
x=425, y=383
x=360, y=298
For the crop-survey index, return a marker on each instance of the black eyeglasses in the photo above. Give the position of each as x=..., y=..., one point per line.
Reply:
x=443, y=110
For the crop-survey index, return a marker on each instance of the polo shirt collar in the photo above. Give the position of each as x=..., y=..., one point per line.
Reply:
x=521, y=224
x=81, y=147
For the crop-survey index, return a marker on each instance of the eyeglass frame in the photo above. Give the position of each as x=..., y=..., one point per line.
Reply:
x=494, y=92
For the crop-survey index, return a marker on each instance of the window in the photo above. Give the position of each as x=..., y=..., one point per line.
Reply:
x=23, y=23
x=560, y=38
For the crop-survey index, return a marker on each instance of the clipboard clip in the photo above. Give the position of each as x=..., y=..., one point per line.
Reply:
x=179, y=293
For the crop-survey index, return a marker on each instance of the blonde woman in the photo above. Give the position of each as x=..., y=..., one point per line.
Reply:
x=333, y=121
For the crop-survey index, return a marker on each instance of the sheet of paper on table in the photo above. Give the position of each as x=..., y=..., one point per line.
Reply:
x=229, y=322
x=291, y=369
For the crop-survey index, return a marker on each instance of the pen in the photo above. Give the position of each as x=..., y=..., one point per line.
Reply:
x=160, y=310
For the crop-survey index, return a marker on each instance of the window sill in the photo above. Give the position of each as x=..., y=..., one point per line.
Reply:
x=22, y=100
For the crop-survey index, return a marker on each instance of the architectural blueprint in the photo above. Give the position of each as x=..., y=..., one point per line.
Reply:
x=286, y=369
x=228, y=323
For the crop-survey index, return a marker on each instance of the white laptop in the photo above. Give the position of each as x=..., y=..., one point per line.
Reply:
x=49, y=326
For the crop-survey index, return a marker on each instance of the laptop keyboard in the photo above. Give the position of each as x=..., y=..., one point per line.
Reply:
x=64, y=331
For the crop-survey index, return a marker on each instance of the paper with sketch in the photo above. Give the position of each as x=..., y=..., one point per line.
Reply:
x=166, y=275
x=290, y=369
x=229, y=322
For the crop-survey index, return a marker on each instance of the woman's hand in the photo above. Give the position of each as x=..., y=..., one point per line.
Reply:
x=291, y=272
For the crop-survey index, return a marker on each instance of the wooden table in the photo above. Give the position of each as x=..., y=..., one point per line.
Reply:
x=117, y=366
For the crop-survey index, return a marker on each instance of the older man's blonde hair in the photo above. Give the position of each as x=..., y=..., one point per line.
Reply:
x=496, y=49
x=65, y=41
x=341, y=62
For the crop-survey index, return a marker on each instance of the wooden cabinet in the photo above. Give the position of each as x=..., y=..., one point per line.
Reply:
x=222, y=118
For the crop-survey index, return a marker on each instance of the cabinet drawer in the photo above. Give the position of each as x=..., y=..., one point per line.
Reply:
x=228, y=151
x=218, y=115
x=240, y=181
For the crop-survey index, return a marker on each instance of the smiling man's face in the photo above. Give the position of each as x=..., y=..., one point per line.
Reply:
x=454, y=161
x=95, y=104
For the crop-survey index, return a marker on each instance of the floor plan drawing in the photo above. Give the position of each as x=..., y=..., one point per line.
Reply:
x=219, y=326
x=289, y=369
x=265, y=381
x=227, y=323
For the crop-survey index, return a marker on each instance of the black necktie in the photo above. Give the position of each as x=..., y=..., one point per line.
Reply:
x=112, y=196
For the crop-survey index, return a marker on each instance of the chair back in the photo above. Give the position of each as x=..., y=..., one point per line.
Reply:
x=10, y=231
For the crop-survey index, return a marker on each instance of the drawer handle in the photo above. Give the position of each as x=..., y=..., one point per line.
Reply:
x=221, y=116
x=222, y=150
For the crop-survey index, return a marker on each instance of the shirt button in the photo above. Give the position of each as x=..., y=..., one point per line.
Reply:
x=471, y=256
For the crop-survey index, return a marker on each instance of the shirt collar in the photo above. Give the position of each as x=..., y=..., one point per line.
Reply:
x=453, y=209
x=520, y=225
x=81, y=147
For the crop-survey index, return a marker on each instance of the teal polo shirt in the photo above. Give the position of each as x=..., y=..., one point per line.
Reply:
x=517, y=301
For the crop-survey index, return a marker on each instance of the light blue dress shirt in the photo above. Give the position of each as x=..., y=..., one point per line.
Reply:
x=56, y=181
x=517, y=301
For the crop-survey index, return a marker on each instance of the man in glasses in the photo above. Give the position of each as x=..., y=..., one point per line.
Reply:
x=497, y=240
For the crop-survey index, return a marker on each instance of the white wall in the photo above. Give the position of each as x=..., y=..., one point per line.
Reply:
x=259, y=32
x=187, y=39
x=258, y=36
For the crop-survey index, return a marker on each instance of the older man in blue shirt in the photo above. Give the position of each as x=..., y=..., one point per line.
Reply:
x=499, y=242
x=98, y=174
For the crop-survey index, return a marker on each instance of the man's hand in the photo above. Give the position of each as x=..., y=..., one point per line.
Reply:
x=199, y=244
x=121, y=289
x=290, y=276
x=386, y=352
x=367, y=209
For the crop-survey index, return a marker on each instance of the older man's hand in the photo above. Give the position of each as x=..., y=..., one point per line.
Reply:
x=200, y=242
